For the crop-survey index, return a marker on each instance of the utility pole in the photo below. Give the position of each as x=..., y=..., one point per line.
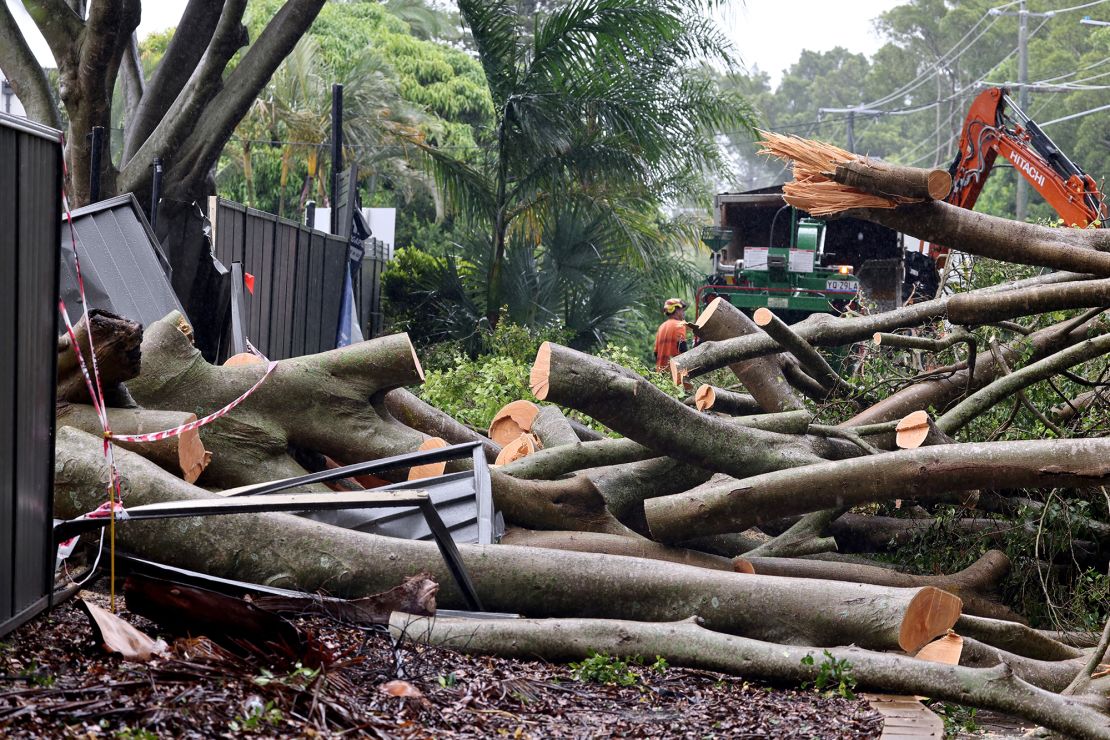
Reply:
x=1022, y=196
x=851, y=121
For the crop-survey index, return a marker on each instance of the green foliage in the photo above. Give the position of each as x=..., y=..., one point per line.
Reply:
x=448, y=681
x=300, y=676
x=36, y=677
x=257, y=717
x=134, y=733
x=958, y=719
x=834, y=677
x=612, y=671
x=473, y=389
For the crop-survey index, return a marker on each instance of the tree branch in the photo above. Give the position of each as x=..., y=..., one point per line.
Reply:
x=59, y=25
x=186, y=47
x=27, y=78
x=242, y=86
x=134, y=82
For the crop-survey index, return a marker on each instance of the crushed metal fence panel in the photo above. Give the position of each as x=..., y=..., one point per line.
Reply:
x=30, y=230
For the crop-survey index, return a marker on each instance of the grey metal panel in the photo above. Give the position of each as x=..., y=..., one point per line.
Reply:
x=265, y=236
x=300, y=295
x=313, y=341
x=123, y=268
x=331, y=300
x=9, y=218
x=30, y=203
x=287, y=272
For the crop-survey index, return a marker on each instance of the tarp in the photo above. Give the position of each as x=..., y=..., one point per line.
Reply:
x=124, y=268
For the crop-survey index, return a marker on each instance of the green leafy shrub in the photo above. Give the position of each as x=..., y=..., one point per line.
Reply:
x=833, y=676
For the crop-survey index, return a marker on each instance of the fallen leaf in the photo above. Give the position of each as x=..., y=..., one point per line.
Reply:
x=402, y=689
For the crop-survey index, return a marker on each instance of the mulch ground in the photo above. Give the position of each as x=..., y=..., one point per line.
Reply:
x=55, y=681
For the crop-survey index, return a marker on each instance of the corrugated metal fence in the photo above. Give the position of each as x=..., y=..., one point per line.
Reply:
x=30, y=201
x=298, y=278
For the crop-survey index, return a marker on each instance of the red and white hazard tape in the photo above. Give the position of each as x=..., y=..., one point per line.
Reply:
x=167, y=433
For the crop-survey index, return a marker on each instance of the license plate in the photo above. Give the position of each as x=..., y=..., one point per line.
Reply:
x=841, y=286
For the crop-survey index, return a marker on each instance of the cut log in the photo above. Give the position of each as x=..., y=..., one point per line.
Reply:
x=243, y=358
x=972, y=309
x=883, y=178
x=429, y=470
x=917, y=430
x=117, y=341
x=625, y=487
x=1015, y=638
x=291, y=551
x=413, y=412
x=823, y=330
x=763, y=376
x=513, y=420
x=552, y=462
x=998, y=238
x=298, y=404
x=687, y=644
x=811, y=360
x=521, y=447
x=552, y=428
x=974, y=585
x=632, y=406
x=708, y=398
x=615, y=545
x=183, y=455
x=921, y=473
x=1051, y=675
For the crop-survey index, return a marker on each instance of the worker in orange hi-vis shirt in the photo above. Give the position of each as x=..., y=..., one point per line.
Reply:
x=670, y=339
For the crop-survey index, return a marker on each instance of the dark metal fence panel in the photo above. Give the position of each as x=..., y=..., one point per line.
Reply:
x=30, y=201
x=298, y=278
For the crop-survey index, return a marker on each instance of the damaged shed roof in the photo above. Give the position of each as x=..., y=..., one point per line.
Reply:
x=122, y=264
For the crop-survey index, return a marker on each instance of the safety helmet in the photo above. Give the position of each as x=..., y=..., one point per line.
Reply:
x=673, y=304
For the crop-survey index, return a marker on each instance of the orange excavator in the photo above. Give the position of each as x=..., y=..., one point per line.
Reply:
x=995, y=125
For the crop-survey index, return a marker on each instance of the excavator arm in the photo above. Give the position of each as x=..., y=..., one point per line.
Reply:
x=996, y=126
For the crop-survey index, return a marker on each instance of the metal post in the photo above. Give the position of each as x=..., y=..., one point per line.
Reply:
x=851, y=131
x=310, y=214
x=96, y=148
x=1022, y=195
x=155, y=194
x=336, y=151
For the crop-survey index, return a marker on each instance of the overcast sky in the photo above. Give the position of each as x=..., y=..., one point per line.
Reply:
x=769, y=34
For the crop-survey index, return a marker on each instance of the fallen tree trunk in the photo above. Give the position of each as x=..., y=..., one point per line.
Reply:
x=971, y=309
x=553, y=429
x=763, y=376
x=614, y=545
x=632, y=406
x=292, y=551
x=824, y=330
x=413, y=412
x=183, y=455
x=116, y=341
x=688, y=644
x=550, y=463
x=937, y=222
x=811, y=360
x=708, y=398
x=1015, y=638
x=1051, y=675
x=298, y=404
x=856, y=533
x=974, y=584
x=921, y=473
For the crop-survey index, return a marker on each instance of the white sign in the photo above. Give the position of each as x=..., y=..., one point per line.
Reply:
x=755, y=258
x=801, y=260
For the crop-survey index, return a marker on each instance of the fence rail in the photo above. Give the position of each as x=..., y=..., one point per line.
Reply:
x=30, y=208
x=298, y=278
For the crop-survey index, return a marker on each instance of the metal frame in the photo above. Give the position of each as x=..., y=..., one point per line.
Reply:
x=260, y=497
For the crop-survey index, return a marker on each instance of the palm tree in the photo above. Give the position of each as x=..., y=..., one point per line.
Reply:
x=600, y=103
x=294, y=111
